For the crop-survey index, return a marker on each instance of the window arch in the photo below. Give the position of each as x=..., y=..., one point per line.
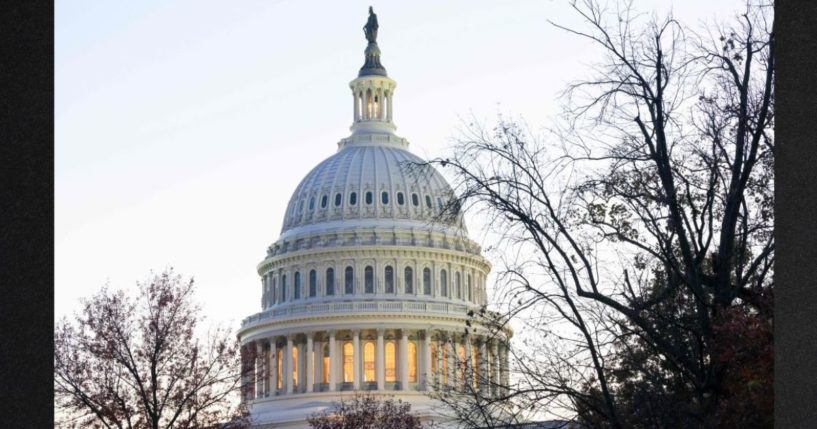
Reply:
x=353, y=199
x=368, y=362
x=389, y=277
x=444, y=283
x=458, y=285
x=338, y=199
x=324, y=201
x=297, y=286
x=400, y=199
x=348, y=362
x=313, y=283
x=368, y=280
x=408, y=279
x=349, y=281
x=412, y=362
x=426, y=281
x=330, y=281
x=369, y=198
x=428, y=201
x=415, y=200
x=391, y=362
x=384, y=197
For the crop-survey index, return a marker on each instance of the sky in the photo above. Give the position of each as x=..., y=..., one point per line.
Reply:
x=183, y=127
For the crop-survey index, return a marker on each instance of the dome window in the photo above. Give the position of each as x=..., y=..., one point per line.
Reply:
x=297, y=287
x=415, y=200
x=384, y=197
x=389, y=277
x=330, y=281
x=313, y=284
x=312, y=204
x=349, y=281
x=368, y=280
x=443, y=283
x=301, y=206
x=400, y=199
x=353, y=198
x=324, y=201
x=428, y=201
x=369, y=198
x=408, y=278
x=426, y=281
x=338, y=199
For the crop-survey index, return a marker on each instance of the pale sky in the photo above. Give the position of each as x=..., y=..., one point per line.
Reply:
x=183, y=127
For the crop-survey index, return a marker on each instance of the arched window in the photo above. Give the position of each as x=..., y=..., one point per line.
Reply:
x=415, y=200
x=412, y=362
x=348, y=362
x=428, y=201
x=368, y=362
x=426, y=281
x=349, y=281
x=369, y=198
x=400, y=199
x=312, y=203
x=391, y=362
x=338, y=199
x=368, y=280
x=469, y=287
x=295, y=366
x=408, y=279
x=313, y=283
x=284, y=288
x=274, y=289
x=297, y=287
x=443, y=283
x=384, y=197
x=324, y=201
x=461, y=362
x=325, y=366
x=353, y=198
x=330, y=281
x=458, y=286
x=389, y=277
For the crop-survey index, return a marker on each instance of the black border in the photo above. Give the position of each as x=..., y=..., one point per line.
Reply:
x=27, y=213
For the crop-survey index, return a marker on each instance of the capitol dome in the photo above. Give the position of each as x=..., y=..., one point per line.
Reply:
x=372, y=283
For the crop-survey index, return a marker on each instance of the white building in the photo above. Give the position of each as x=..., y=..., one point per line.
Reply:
x=366, y=289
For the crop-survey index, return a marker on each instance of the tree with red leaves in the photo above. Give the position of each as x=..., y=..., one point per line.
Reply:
x=137, y=362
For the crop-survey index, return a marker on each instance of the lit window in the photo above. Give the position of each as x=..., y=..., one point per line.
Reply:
x=434, y=357
x=348, y=362
x=408, y=278
x=391, y=362
x=368, y=362
x=389, y=277
x=324, y=201
x=313, y=283
x=369, y=198
x=297, y=289
x=349, y=283
x=415, y=200
x=279, y=358
x=338, y=199
x=461, y=362
x=445, y=348
x=384, y=197
x=368, y=280
x=444, y=283
x=325, y=376
x=295, y=366
x=426, y=281
x=400, y=199
x=428, y=201
x=412, y=362
x=353, y=198
x=330, y=281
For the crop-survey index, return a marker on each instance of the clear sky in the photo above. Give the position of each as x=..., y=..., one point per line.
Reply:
x=183, y=127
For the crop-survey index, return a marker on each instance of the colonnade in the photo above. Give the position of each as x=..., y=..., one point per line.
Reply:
x=374, y=359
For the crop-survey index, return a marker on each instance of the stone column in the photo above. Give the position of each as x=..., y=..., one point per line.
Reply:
x=261, y=372
x=357, y=358
x=288, y=366
x=380, y=362
x=469, y=362
x=390, y=104
x=427, y=383
x=356, y=104
x=404, y=381
x=452, y=359
x=274, y=366
x=333, y=366
x=482, y=373
x=310, y=362
x=495, y=367
x=505, y=373
x=440, y=350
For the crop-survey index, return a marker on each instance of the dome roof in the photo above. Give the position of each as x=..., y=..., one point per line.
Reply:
x=369, y=185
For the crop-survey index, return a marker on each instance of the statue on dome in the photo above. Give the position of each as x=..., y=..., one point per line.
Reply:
x=370, y=29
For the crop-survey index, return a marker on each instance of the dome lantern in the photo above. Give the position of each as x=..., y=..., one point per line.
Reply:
x=372, y=90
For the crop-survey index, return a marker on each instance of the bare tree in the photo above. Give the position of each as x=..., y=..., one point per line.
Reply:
x=365, y=411
x=136, y=362
x=642, y=226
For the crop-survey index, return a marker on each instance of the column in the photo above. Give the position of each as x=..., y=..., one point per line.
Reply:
x=440, y=351
x=333, y=366
x=427, y=384
x=310, y=362
x=245, y=372
x=380, y=362
x=404, y=381
x=482, y=374
x=469, y=363
x=356, y=104
x=389, y=102
x=356, y=360
x=505, y=373
x=274, y=366
x=259, y=369
x=495, y=367
x=451, y=347
x=288, y=365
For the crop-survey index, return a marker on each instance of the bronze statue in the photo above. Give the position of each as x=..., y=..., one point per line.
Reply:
x=370, y=29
